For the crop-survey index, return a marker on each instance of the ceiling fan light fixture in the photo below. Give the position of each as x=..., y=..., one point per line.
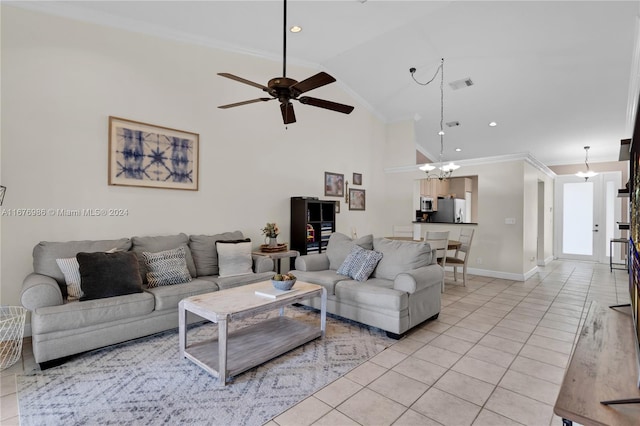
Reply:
x=426, y=167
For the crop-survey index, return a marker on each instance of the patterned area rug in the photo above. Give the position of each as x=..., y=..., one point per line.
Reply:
x=145, y=382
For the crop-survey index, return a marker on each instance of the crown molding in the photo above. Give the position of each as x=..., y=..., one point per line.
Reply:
x=634, y=81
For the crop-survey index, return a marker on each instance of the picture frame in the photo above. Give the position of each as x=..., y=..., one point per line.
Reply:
x=152, y=156
x=337, y=206
x=357, y=199
x=333, y=184
x=357, y=178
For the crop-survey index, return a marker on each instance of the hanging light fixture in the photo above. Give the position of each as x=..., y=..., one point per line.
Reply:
x=589, y=173
x=445, y=170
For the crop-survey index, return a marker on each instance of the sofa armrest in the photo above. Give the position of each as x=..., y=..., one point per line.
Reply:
x=262, y=263
x=418, y=279
x=312, y=262
x=39, y=291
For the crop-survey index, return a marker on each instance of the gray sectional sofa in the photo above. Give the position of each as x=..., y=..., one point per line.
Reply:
x=61, y=328
x=402, y=291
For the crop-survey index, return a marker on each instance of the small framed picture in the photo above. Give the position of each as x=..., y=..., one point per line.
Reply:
x=337, y=206
x=357, y=199
x=333, y=184
x=357, y=178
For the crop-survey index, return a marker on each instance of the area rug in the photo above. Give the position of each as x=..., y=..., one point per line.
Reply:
x=145, y=382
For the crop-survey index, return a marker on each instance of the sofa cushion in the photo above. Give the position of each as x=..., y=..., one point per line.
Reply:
x=108, y=274
x=400, y=256
x=234, y=257
x=161, y=243
x=168, y=297
x=340, y=245
x=76, y=315
x=375, y=292
x=204, y=252
x=326, y=278
x=360, y=263
x=46, y=253
x=167, y=267
x=238, y=280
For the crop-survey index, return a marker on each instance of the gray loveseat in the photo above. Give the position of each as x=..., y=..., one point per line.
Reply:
x=61, y=328
x=402, y=291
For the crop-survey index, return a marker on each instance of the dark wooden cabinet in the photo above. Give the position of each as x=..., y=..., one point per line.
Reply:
x=312, y=223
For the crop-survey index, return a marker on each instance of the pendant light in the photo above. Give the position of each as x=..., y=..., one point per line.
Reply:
x=588, y=173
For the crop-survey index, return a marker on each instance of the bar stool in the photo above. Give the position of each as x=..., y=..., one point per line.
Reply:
x=625, y=243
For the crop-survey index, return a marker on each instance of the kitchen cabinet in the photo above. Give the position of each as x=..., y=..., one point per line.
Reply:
x=459, y=186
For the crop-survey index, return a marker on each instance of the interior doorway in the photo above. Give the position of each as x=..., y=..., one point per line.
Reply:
x=586, y=216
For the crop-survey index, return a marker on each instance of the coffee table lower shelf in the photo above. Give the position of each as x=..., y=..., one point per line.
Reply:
x=253, y=345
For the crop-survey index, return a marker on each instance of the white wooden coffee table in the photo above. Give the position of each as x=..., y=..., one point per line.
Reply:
x=233, y=353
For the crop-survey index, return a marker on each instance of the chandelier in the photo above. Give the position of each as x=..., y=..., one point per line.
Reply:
x=445, y=170
x=589, y=173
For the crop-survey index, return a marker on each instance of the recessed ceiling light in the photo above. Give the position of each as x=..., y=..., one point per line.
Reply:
x=493, y=124
x=295, y=29
x=458, y=149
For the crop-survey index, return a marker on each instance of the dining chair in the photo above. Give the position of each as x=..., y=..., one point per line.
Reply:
x=456, y=261
x=402, y=231
x=439, y=240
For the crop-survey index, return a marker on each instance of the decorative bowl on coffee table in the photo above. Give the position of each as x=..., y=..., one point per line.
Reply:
x=283, y=285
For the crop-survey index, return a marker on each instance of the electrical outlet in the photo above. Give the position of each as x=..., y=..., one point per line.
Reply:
x=479, y=261
x=510, y=221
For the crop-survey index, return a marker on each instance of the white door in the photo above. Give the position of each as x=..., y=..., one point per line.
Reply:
x=586, y=216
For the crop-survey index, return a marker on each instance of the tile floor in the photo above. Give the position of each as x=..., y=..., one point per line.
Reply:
x=495, y=356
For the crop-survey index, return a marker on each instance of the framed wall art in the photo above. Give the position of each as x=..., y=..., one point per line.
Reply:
x=333, y=184
x=357, y=178
x=148, y=155
x=357, y=199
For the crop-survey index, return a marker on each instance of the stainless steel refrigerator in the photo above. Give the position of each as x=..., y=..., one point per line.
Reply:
x=450, y=210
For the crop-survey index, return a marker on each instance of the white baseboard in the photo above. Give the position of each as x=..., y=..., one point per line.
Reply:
x=545, y=262
x=498, y=274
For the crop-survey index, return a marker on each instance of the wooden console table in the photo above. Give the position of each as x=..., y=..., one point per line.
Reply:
x=603, y=367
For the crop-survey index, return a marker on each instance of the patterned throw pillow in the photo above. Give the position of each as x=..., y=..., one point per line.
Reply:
x=167, y=267
x=234, y=257
x=360, y=263
x=71, y=270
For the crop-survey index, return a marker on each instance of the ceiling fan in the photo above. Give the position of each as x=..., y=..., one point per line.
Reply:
x=286, y=89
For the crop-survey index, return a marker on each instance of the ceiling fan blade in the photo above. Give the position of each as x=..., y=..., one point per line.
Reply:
x=243, y=80
x=313, y=82
x=288, y=116
x=321, y=103
x=245, y=102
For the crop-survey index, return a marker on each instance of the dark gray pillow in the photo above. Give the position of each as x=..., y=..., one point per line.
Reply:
x=204, y=252
x=108, y=274
x=340, y=246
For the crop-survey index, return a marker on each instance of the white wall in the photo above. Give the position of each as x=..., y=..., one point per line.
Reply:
x=62, y=79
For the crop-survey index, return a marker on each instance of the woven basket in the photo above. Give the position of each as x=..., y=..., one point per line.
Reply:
x=11, y=331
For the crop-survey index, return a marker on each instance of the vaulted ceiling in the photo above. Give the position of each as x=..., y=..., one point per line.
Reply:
x=555, y=76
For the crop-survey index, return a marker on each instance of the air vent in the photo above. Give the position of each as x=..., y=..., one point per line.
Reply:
x=461, y=84
x=453, y=123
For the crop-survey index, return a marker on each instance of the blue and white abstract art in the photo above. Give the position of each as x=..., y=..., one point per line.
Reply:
x=147, y=155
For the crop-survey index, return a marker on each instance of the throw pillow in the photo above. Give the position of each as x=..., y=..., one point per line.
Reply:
x=71, y=271
x=234, y=257
x=340, y=246
x=360, y=263
x=161, y=243
x=167, y=267
x=204, y=253
x=108, y=274
x=400, y=256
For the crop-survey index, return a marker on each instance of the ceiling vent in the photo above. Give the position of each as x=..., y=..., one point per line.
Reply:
x=453, y=123
x=461, y=84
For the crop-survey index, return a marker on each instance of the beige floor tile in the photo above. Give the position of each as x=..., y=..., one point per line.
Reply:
x=509, y=333
x=413, y=418
x=333, y=418
x=517, y=325
x=569, y=328
x=469, y=307
x=528, y=312
x=537, y=389
x=484, y=318
x=460, y=313
x=482, y=370
x=464, y=333
x=489, y=418
x=436, y=326
x=399, y=388
x=471, y=324
x=555, y=334
x=551, y=344
x=446, y=408
x=566, y=312
x=370, y=408
x=493, y=356
x=337, y=392
x=448, y=319
x=8, y=406
x=561, y=318
x=544, y=355
x=365, y=373
x=465, y=387
x=407, y=345
x=519, y=408
x=452, y=344
x=8, y=384
x=305, y=413
x=388, y=358
x=423, y=335
x=538, y=369
x=436, y=355
x=500, y=343
x=417, y=369
x=527, y=319
x=491, y=312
